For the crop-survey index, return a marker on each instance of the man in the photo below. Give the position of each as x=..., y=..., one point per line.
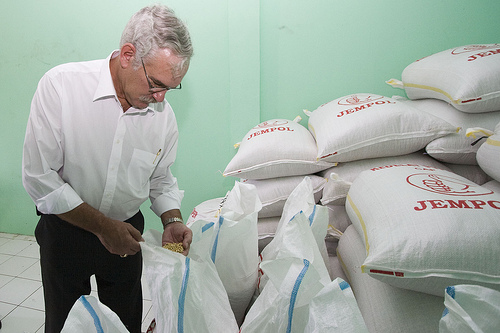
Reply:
x=95, y=149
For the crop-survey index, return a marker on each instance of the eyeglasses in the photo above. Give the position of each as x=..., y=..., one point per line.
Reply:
x=157, y=89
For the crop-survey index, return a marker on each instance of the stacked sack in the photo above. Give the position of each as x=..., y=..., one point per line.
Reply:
x=462, y=86
x=416, y=231
x=488, y=155
x=451, y=140
x=419, y=231
x=363, y=131
x=345, y=137
x=433, y=138
x=372, y=131
x=275, y=156
x=466, y=77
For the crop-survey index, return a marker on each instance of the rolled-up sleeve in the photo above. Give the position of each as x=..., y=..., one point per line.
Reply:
x=43, y=153
x=164, y=191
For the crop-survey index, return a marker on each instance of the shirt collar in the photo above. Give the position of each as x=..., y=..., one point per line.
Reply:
x=106, y=89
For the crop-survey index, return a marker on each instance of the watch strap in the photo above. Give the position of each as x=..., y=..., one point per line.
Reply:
x=171, y=220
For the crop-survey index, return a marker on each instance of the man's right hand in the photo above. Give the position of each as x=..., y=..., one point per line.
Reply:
x=118, y=237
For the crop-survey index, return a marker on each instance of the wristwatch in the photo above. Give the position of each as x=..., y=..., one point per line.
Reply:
x=171, y=220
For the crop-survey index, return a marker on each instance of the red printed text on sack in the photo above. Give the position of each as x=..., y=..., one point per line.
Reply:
x=460, y=204
x=483, y=54
x=270, y=130
x=363, y=107
x=417, y=167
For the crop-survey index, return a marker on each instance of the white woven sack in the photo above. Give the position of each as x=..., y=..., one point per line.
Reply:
x=470, y=309
x=235, y=247
x=472, y=172
x=88, y=314
x=493, y=185
x=337, y=269
x=466, y=77
x=364, y=126
x=337, y=217
x=318, y=221
x=386, y=308
x=300, y=200
x=187, y=293
x=266, y=228
x=488, y=156
x=208, y=211
x=457, y=148
x=334, y=309
x=426, y=229
x=274, y=192
x=296, y=275
x=341, y=177
x=276, y=148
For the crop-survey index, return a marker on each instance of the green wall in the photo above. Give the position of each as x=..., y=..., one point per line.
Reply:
x=254, y=61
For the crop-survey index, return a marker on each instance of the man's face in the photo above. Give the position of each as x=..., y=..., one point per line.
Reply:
x=153, y=79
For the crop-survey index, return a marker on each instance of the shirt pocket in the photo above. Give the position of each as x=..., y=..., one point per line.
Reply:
x=140, y=170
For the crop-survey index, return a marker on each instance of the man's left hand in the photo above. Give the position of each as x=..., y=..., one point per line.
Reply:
x=177, y=232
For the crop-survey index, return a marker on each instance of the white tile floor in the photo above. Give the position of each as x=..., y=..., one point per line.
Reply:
x=21, y=294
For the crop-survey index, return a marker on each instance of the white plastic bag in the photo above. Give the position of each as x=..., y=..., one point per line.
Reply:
x=295, y=276
x=300, y=200
x=274, y=192
x=470, y=308
x=235, y=249
x=187, y=293
x=334, y=309
x=88, y=314
x=300, y=297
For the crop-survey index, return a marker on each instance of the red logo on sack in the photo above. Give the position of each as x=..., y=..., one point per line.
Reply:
x=274, y=123
x=358, y=99
x=486, y=50
x=473, y=48
x=445, y=185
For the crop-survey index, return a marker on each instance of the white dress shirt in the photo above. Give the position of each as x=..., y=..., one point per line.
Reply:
x=81, y=147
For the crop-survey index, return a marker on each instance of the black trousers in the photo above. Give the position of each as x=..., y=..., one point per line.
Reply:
x=70, y=255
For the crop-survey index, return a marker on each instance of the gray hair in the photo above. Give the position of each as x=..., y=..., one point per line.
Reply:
x=156, y=27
